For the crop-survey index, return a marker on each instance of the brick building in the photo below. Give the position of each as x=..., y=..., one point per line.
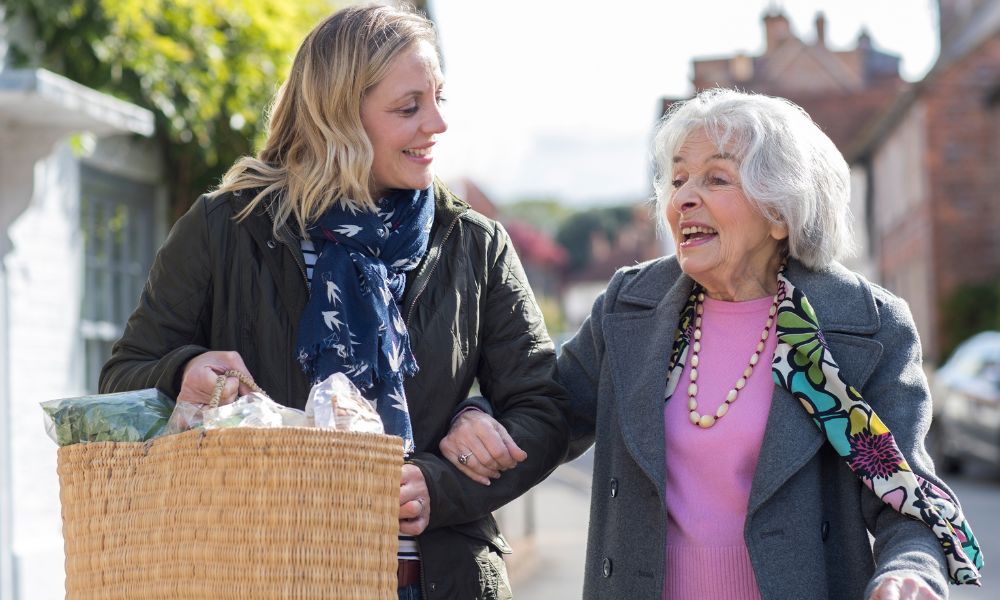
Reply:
x=930, y=164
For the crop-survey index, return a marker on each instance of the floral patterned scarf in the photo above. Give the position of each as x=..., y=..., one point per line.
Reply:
x=804, y=367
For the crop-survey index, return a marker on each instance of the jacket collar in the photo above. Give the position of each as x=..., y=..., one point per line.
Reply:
x=447, y=205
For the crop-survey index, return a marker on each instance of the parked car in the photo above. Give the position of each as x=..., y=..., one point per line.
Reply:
x=967, y=403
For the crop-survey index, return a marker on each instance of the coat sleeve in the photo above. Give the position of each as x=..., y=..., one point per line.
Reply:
x=516, y=372
x=169, y=325
x=899, y=393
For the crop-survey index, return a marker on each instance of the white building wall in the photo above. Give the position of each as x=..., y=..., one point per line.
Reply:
x=45, y=283
x=44, y=274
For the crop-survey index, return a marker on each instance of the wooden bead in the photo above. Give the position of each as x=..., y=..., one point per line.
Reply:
x=693, y=389
x=754, y=358
x=706, y=421
x=740, y=383
x=722, y=410
x=694, y=374
x=692, y=404
x=747, y=372
x=731, y=396
x=695, y=417
x=694, y=361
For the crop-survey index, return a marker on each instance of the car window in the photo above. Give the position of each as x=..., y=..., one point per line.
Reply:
x=989, y=371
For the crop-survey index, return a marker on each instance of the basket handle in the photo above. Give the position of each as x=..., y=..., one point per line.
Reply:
x=220, y=383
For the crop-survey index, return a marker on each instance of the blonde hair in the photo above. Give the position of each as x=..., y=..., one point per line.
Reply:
x=317, y=152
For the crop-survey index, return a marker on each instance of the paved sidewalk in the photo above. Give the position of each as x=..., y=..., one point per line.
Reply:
x=551, y=565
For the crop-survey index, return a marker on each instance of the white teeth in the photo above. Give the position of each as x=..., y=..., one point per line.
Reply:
x=697, y=229
x=417, y=151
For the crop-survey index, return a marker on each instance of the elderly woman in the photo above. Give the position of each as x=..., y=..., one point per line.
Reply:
x=336, y=250
x=716, y=476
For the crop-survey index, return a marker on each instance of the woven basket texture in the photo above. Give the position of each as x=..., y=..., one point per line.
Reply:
x=233, y=513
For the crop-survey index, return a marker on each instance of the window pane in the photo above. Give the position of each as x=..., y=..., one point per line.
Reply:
x=116, y=216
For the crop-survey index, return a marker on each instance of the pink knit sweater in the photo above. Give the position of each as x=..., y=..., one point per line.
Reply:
x=709, y=471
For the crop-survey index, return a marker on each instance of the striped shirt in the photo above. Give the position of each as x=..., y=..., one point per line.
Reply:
x=408, y=547
x=310, y=255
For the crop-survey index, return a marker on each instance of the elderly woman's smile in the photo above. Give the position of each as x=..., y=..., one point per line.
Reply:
x=695, y=234
x=723, y=240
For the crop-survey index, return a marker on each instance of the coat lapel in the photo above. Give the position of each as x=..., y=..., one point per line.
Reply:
x=638, y=343
x=844, y=308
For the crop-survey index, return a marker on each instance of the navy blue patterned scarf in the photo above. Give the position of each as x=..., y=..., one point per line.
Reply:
x=352, y=323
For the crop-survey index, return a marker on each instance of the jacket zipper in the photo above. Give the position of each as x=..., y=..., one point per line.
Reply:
x=430, y=271
x=298, y=263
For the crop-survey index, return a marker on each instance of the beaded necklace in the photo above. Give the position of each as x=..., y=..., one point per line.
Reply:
x=707, y=420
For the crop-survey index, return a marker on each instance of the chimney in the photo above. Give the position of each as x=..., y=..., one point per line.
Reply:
x=820, y=29
x=776, y=30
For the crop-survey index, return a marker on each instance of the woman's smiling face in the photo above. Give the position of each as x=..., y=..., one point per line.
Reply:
x=723, y=241
x=402, y=117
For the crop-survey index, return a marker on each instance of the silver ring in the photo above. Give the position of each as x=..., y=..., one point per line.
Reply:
x=421, y=501
x=464, y=458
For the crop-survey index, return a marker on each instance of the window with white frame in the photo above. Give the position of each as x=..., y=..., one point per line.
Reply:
x=117, y=223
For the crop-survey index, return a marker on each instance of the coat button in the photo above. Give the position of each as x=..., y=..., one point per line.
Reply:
x=271, y=244
x=607, y=567
x=614, y=487
x=432, y=586
x=824, y=530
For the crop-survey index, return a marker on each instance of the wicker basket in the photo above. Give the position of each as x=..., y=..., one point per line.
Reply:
x=233, y=513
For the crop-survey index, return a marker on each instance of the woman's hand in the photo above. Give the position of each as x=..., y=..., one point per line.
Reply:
x=903, y=587
x=480, y=447
x=414, y=501
x=200, y=375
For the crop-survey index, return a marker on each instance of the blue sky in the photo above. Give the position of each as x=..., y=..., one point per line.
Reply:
x=557, y=98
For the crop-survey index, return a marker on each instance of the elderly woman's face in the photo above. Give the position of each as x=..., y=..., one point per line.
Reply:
x=723, y=242
x=402, y=117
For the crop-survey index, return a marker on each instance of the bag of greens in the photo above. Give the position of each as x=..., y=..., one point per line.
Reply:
x=134, y=416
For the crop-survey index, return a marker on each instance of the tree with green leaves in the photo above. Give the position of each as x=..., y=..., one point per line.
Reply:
x=576, y=232
x=207, y=70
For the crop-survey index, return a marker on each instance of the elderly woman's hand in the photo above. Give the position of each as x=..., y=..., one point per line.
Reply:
x=201, y=372
x=414, y=501
x=903, y=587
x=480, y=447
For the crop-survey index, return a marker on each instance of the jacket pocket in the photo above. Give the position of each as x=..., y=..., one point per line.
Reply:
x=486, y=530
x=488, y=547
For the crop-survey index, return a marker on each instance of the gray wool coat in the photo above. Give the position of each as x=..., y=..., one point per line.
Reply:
x=808, y=515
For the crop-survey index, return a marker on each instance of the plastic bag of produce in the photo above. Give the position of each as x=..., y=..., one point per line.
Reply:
x=134, y=416
x=336, y=403
x=255, y=409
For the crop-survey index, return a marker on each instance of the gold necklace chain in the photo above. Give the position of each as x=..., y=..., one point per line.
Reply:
x=707, y=420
